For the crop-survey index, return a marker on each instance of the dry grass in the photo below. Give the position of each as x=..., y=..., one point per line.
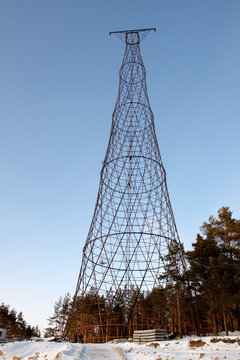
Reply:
x=121, y=353
x=196, y=343
x=201, y=356
x=225, y=340
x=34, y=357
x=155, y=345
x=58, y=356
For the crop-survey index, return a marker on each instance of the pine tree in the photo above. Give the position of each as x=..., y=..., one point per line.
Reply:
x=58, y=320
x=205, y=274
x=15, y=324
x=21, y=324
x=226, y=232
x=174, y=280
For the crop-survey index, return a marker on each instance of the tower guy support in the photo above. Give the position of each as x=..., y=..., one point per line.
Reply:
x=133, y=226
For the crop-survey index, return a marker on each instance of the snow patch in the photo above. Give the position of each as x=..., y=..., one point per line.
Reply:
x=221, y=348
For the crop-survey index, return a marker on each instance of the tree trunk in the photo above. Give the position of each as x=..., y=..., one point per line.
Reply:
x=225, y=320
x=198, y=324
x=238, y=316
x=214, y=321
x=231, y=322
x=195, y=320
x=179, y=314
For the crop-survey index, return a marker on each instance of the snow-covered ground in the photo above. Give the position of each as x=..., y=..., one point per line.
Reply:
x=184, y=349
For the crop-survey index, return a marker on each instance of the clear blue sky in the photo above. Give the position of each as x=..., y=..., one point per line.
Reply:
x=58, y=86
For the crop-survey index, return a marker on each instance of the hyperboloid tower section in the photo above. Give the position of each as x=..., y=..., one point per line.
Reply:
x=133, y=226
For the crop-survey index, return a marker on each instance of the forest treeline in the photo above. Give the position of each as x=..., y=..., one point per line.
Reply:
x=203, y=298
x=15, y=324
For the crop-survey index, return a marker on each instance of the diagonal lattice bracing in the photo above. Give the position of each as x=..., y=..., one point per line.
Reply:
x=133, y=224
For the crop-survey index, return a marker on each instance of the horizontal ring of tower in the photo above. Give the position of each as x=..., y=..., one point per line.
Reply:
x=132, y=157
x=110, y=242
x=133, y=131
x=133, y=117
x=129, y=180
x=132, y=72
x=132, y=103
x=132, y=38
x=129, y=233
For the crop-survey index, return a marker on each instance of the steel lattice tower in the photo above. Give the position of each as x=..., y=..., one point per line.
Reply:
x=133, y=225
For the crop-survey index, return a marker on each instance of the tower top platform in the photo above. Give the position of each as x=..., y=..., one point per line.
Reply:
x=125, y=35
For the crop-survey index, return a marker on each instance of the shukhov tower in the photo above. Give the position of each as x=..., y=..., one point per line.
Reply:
x=133, y=226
